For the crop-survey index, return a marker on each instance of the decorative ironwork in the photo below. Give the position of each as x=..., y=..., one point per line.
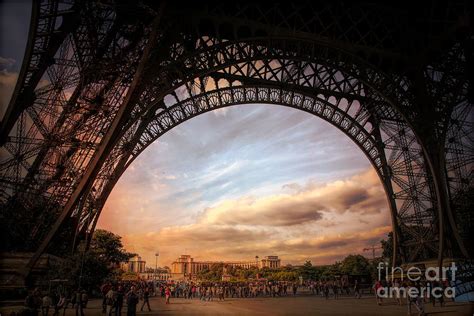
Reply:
x=101, y=81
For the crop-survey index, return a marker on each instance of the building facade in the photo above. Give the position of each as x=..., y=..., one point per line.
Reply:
x=185, y=265
x=135, y=264
x=159, y=276
x=270, y=262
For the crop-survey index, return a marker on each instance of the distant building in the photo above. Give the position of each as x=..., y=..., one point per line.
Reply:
x=160, y=274
x=135, y=264
x=185, y=266
x=270, y=262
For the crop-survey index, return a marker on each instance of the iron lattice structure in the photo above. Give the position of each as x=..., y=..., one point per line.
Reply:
x=101, y=80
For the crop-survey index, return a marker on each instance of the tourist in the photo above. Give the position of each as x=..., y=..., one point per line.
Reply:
x=111, y=296
x=132, y=301
x=220, y=293
x=209, y=293
x=335, y=289
x=119, y=301
x=167, y=294
x=378, y=288
x=60, y=304
x=84, y=299
x=414, y=298
x=295, y=288
x=46, y=304
x=32, y=302
x=397, y=288
x=356, y=289
x=146, y=300
x=104, y=289
x=78, y=302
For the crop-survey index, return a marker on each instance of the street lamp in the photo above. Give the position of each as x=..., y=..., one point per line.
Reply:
x=256, y=261
x=156, y=263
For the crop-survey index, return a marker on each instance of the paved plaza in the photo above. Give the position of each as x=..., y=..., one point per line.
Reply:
x=299, y=305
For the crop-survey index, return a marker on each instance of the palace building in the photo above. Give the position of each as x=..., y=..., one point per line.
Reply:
x=185, y=265
x=270, y=262
x=135, y=264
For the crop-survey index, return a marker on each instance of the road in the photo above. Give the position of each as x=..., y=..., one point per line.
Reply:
x=298, y=305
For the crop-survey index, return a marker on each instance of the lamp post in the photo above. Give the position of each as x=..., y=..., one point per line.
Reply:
x=256, y=261
x=156, y=263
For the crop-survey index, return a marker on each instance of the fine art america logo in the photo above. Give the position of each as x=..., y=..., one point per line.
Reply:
x=413, y=283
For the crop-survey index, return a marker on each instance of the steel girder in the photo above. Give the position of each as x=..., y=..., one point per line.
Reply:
x=401, y=96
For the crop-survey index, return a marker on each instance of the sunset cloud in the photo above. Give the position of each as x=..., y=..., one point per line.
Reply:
x=301, y=225
x=210, y=242
x=259, y=180
x=360, y=194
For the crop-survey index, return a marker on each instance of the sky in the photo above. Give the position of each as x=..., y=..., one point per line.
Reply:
x=235, y=183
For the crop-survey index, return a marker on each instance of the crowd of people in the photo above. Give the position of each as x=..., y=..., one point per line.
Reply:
x=128, y=296
x=421, y=293
x=208, y=291
x=114, y=298
x=55, y=301
x=118, y=295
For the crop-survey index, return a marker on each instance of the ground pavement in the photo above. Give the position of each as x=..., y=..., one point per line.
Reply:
x=298, y=305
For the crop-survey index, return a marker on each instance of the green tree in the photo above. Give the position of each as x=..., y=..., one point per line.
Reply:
x=387, y=247
x=309, y=272
x=108, y=246
x=355, y=265
x=90, y=268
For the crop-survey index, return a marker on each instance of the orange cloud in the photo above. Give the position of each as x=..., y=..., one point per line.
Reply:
x=317, y=222
x=362, y=194
x=208, y=242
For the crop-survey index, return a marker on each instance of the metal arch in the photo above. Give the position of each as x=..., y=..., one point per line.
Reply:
x=328, y=91
x=44, y=38
x=55, y=137
x=173, y=115
x=395, y=91
x=186, y=109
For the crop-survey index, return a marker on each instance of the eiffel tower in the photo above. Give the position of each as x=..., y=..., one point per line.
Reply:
x=102, y=80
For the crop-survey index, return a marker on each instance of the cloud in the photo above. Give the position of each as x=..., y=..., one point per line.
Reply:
x=262, y=180
x=361, y=194
x=6, y=63
x=215, y=242
x=279, y=210
x=7, y=85
x=209, y=241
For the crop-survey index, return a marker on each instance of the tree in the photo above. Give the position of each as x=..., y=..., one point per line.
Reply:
x=213, y=273
x=309, y=272
x=355, y=265
x=89, y=269
x=108, y=246
x=387, y=246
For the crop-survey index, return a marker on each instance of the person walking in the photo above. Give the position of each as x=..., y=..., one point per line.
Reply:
x=119, y=301
x=132, y=301
x=167, y=294
x=295, y=288
x=78, y=302
x=46, y=304
x=146, y=299
x=378, y=288
x=110, y=301
x=31, y=303
x=60, y=304
x=104, y=289
x=357, y=289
